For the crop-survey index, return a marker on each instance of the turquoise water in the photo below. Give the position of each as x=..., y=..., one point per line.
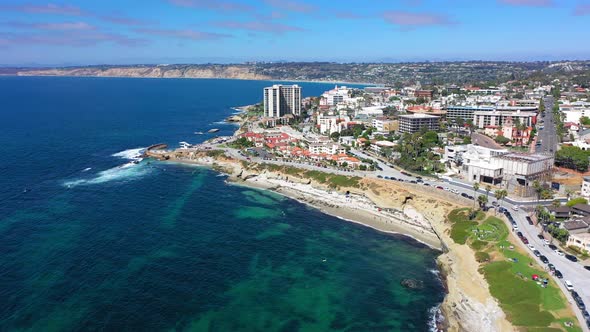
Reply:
x=91, y=242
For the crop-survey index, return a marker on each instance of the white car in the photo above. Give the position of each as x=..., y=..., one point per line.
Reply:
x=559, y=252
x=546, y=241
x=515, y=208
x=532, y=247
x=568, y=284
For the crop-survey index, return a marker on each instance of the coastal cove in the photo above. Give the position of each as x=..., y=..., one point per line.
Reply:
x=99, y=242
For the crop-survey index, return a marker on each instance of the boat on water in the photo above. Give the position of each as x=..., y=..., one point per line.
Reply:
x=198, y=133
x=214, y=130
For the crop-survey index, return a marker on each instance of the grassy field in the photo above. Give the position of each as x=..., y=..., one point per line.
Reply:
x=509, y=271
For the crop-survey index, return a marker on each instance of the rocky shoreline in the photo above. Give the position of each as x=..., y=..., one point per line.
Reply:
x=386, y=207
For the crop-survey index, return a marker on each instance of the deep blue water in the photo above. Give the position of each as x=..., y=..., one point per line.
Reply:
x=94, y=246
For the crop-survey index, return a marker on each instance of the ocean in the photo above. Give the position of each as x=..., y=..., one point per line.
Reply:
x=91, y=241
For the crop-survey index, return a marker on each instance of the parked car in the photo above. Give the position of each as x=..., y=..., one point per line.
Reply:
x=552, y=247
x=519, y=234
x=580, y=303
x=540, y=236
x=525, y=240
x=559, y=252
x=568, y=285
x=529, y=220
x=515, y=208
x=544, y=259
x=571, y=257
x=537, y=253
x=587, y=267
x=464, y=195
x=545, y=241
x=532, y=247
x=558, y=274
x=551, y=267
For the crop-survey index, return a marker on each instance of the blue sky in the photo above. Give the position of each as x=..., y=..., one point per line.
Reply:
x=195, y=31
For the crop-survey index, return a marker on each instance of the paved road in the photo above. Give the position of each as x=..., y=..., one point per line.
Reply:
x=548, y=135
x=571, y=271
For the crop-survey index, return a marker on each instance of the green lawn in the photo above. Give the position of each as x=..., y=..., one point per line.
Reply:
x=524, y=301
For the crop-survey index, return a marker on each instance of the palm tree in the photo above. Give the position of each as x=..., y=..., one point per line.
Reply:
x=488, y=189
x=500, y=194
x=475, y=189
x=482, y=200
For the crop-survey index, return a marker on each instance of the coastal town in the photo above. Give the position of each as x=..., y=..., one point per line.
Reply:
x=517, y=150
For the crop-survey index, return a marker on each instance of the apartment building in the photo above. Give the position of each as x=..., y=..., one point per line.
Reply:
x=415, y=122
x=280, y=100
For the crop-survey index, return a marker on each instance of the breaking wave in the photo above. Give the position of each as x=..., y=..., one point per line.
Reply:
x=125, y=172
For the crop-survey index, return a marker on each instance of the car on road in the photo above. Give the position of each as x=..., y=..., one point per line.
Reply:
x=587, y=267
x=552, y=247
x=532, y=247
x=568, y=285
x=537, y=253
x=571, y=257
x=540, y=236
x=519, y=234
x=551, y=267
x=515, y=226
x=546, y=241
x=558, y=274
x=544, y=259
x=525, y=240
x=439, y=187
x=464, y=195
x=559, y=252
x=529, y=220
x=580, y=303
x=515, y=208
x=380, y=176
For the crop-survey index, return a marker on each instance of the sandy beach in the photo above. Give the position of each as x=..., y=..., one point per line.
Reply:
x=353, y=208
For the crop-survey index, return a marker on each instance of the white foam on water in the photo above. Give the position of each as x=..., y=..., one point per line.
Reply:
x=130, y=154
x=125, y=172
x=434, y=318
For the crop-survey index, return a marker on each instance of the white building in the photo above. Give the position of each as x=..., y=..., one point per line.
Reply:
x=482, y=119
x=370, y=111
x=586, y=187
x=329, y=148
x=332, y=123
x=478, y=167
x=454, y=153
x=280, y=100
x=335, y=96
x=581, y=241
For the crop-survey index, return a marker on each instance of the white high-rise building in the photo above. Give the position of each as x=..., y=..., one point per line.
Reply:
x=280, y=100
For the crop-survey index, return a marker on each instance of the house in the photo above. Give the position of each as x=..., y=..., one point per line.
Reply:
x=560, y=212
x=576, y=226
x=581, y=241
x=581, y=209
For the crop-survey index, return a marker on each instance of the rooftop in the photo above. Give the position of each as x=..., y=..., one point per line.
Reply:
x=575, y=224
x=418, y=116
x=525, y=157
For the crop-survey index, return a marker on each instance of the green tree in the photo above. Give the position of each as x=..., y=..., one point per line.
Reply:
x=335, y=136
x=585, y=121
x=575, y=201
x=502, y=140
x=482, y=200
x=500, y=194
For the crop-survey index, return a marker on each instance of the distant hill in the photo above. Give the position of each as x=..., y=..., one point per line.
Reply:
x=375, y=73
